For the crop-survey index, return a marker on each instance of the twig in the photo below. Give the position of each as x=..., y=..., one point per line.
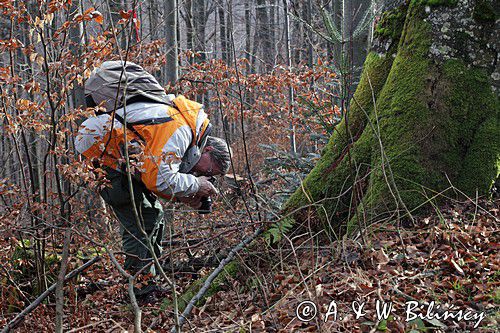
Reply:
x=212, y=276
x=19, y=318
x=133, y=300
x=60, y=282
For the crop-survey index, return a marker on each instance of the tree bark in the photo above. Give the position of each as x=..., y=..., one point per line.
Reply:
x=293, y=144
x=309, y=36
x=248, y=33
x=263, y=35
x=273, y=4
x=188, y=8
x=199, y=22
x=423, y=116
x=115, y=7
x=336, y=49
x=76, y=34
x=224, y=49
x=153, y=14
x=297, y=32
x=229, y=31
x=171, y=67
x=60, y=282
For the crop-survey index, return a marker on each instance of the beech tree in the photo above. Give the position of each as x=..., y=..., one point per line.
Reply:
x=411, y=131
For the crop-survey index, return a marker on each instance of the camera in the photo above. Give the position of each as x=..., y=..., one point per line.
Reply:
x=206, y=202
x=206, y=206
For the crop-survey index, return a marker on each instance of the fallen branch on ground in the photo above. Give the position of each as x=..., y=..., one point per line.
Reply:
x=213, y=275
x=19, y=318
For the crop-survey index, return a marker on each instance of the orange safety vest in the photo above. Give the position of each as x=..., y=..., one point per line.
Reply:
x=162, y=133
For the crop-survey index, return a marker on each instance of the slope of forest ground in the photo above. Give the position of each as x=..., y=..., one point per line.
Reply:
x=449, y=256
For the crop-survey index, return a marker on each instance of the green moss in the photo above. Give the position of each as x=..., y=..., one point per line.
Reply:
x=476, y=122
x=25, y=273
x=230, y=271
x=436, y=122
x=484, y=11
x=391, y=23
x=341, y=177
x=403, y=118
x=330, y=181
x=495, y=296
x=432, y=131
x=429, y=126
x=449, y=3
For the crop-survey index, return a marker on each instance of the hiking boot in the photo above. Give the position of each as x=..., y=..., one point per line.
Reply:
x=150, y=294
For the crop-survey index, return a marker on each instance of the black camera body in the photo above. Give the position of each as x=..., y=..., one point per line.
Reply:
x=206, y=206
x=206, y=202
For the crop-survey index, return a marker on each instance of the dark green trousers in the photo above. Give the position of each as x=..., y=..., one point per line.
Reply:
x=150, y=215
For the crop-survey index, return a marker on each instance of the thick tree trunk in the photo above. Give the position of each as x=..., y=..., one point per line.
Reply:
x=423, y=116
x=76, y=35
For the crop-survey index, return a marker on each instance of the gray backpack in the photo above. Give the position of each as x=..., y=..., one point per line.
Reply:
x=115, y=82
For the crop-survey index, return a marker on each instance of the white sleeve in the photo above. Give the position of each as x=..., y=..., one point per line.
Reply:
x=89, y=132
x=169, y=180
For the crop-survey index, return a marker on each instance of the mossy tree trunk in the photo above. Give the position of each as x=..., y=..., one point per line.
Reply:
x=425, y=114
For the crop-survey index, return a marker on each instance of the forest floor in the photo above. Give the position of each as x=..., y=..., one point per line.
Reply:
x=446, y=263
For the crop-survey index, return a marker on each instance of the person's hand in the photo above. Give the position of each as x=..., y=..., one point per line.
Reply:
x=206, y=187
x=193, y=201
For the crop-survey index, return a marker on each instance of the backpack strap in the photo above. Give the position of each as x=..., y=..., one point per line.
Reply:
x=189, y=110
x=129, y=126
x=153, y=121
